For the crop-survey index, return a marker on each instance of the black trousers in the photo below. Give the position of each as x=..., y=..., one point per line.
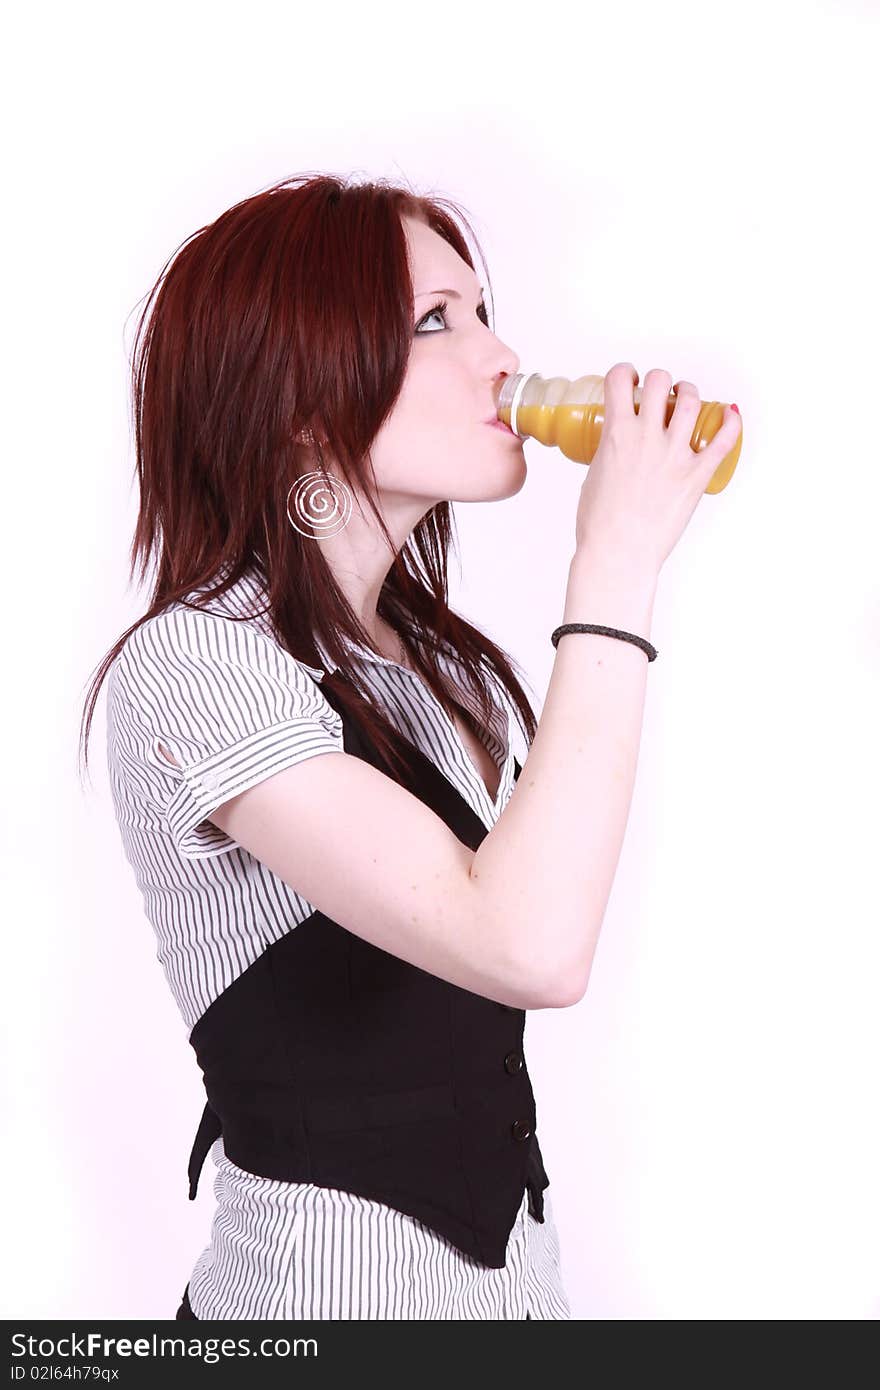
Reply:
x=185, y=1311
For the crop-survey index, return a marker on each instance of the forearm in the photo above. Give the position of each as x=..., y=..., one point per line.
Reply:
x=545, y=871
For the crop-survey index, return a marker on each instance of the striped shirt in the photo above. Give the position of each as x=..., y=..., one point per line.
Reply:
x=233, y=708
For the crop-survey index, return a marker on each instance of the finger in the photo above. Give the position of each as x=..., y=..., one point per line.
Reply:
x=619, y=398
x=687, y=408
x=655, y=397
x=724, y=440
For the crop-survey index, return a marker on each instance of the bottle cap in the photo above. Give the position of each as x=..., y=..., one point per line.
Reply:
x=515, y=400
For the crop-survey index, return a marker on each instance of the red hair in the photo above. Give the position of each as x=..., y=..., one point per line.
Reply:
x=294, y=308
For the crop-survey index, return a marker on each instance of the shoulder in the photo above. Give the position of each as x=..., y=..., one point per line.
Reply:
x=200, y=659
x=180, y=631
x=203, y=708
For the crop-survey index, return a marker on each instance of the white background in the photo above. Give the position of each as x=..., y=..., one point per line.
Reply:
x=672, y=185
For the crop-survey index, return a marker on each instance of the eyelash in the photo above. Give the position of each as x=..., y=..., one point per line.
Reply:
x=442, y=308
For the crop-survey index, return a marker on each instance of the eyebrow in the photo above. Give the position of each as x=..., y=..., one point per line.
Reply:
x=454, y=293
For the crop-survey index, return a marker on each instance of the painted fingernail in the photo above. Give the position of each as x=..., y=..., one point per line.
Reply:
x=736, y=408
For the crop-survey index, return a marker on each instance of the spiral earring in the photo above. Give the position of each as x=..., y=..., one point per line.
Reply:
x=323, y=503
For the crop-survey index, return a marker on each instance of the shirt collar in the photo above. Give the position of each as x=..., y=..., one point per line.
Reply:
x=247, y=599
x=328, y=665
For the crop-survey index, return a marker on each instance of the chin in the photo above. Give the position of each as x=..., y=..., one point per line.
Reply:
x=493, y=481
x=508, y=480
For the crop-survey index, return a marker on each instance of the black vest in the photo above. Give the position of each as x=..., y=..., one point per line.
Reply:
x=331, y=1061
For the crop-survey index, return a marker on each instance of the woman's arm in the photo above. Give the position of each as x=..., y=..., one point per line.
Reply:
x=545, y=871
x=518, y=920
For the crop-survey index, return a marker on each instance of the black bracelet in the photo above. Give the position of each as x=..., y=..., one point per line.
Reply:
x=651, y=652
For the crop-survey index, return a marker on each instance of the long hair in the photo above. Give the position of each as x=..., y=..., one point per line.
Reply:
x=292, y=310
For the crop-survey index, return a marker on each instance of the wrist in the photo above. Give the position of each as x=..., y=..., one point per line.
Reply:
x=615, y=590
x=614, y=568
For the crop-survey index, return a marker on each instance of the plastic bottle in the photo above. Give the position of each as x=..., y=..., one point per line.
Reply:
x=570, y=414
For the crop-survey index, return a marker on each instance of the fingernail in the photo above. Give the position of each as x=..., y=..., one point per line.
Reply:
x=736, y=408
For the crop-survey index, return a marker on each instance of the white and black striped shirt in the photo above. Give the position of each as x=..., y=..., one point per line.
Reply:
x=233, y=707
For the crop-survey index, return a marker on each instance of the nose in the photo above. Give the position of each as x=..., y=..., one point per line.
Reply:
x=509, y=364
x=500, y=384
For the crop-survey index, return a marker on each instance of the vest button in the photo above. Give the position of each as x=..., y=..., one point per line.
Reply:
x=513, y=1062
x=520, y=1129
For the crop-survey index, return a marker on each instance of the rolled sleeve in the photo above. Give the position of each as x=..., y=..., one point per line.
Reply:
x=230, y=705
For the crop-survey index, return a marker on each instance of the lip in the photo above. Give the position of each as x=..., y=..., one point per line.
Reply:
x=500, y=425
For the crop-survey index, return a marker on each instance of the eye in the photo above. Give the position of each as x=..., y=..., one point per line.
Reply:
x=442, y=309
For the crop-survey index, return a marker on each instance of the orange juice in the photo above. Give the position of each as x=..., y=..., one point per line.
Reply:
x=570, y=414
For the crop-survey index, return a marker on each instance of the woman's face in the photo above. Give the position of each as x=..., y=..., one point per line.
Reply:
x=436, y=445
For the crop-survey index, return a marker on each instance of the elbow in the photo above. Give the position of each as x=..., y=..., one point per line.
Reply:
x=569, y=983
x=560, y=992
x=568, y=992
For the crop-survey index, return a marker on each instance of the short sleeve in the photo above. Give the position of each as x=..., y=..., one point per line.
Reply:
x=231, y=706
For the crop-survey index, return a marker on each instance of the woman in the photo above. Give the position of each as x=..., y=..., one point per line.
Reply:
x=355, y=897
x=306, y=748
